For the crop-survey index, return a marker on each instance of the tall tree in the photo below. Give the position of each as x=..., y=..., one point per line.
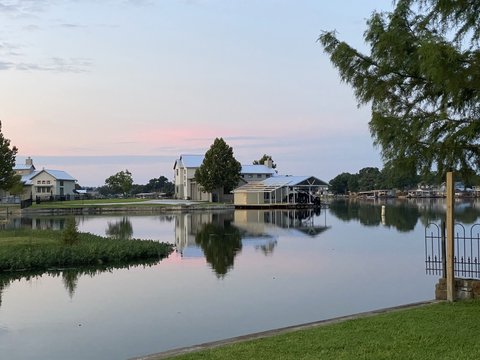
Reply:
x=220, y=169
x=422, y=79
x=341, y=183
x=264, y=158
x=160, y=184
x=400, y=176
x=121, y=182
x=8, y=178
x=370, y=178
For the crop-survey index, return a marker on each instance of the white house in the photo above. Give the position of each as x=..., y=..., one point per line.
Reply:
x=256, y=172
x=187, y=188
x=185, y=185
x=45, y=183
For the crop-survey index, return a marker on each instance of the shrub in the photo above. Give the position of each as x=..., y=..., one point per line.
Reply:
x=70, y=233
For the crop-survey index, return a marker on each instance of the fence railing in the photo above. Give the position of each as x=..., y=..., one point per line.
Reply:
x=466, y=248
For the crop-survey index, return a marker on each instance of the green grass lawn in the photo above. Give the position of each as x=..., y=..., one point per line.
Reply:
x=110, y=203
x=43, y=249
x=95, y=202
x=436, y=331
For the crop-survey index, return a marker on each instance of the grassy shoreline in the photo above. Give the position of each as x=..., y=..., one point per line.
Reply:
x=435, y=331
x=32, y=250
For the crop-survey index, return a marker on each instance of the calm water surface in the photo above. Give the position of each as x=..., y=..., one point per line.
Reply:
x=232, y=273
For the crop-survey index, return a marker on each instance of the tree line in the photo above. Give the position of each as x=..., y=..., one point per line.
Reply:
x=122, y=183
x=390, y=177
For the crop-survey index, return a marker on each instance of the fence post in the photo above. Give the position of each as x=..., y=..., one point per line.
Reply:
x=450, y=223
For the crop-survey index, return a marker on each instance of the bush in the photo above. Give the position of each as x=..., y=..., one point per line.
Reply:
x=70, y=233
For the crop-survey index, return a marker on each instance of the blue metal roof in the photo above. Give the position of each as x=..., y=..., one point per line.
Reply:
x=257, y=169
x=57, y=174
x=60, y=175
x=22, y=167
x=279, y=181
x=282, y=180
x=192, y=161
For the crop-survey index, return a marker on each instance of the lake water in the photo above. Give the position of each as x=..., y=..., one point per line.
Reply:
x=232, y=273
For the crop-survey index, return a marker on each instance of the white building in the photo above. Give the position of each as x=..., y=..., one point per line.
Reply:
x=44, y=184
x=185, y=185
x=280, y=191
x=187, y=188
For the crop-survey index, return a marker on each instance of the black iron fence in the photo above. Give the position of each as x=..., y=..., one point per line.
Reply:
x=25, y=203
x=466, y=250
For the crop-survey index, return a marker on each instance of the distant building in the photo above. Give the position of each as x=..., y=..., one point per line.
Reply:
x=280, y=191
x=187, y=188
x=256, y=172
x=185, y=185
x=45, y=183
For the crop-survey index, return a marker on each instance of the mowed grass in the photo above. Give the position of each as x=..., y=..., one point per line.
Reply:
x=113, y=203
x=87, y=203
x=435, y=331
x=43, y=249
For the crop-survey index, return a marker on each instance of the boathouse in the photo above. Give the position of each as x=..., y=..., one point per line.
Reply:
x=280, y=191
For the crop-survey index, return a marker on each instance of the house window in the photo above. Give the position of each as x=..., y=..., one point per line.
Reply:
x=43, y=181
x=61, y=183
x=48, y=181
x=39, y=182
x=259, y=175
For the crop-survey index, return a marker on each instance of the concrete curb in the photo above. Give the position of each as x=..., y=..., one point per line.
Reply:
x=268, y=333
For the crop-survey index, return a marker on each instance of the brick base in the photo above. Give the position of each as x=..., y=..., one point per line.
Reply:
x=464, y=289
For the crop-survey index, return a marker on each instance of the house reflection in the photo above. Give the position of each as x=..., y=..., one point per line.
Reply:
x=220, y=236
x=271, y=222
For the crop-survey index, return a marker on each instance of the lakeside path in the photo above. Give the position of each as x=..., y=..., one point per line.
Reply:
x=274, y=332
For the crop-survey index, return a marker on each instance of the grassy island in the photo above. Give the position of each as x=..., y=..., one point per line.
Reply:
x=34, y=250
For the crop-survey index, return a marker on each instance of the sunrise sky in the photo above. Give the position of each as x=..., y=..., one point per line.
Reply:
x=95, y=87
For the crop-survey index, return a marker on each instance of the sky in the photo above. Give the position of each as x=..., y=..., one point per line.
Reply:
x=93, y=87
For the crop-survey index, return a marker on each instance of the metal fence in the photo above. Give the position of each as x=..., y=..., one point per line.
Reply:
x=466, y=248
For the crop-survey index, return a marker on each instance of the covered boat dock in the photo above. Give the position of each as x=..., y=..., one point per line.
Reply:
x=281, y=192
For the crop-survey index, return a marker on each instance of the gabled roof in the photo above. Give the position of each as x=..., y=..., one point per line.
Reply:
x=189, y=161
x=279, y=181
x=257, y=169
x=23, y=167
x=283, y=180
x=57, y=174
x=195, y=161
x=60, y=175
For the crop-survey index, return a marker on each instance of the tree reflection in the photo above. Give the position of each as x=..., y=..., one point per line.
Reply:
x=122, y=229
x=70, y=281
x=267, y=249
x=403, y=216
x=368, y=214
x=220, y=242
x=4, y=282
x=70, y=277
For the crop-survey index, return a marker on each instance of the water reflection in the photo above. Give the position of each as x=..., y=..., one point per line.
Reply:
x=402, y=215
x=276, y=256
x=220, y=242
x=121, y=229
x=70, y=277
x=220, y=236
